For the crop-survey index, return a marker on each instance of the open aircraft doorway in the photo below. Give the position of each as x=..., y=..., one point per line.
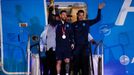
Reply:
x=71, y=8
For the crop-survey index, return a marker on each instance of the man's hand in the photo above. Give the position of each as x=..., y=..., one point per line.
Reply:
x=51, y=5
x=0, y=64
x=51, y=8
x=93, y=42
x=101, y=5
x=72, y=46
x=43, y=47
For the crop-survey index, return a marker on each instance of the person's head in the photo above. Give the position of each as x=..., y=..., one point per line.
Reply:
x=69, y=18
x=80, y=15
x=57, y=17
x=63, y=15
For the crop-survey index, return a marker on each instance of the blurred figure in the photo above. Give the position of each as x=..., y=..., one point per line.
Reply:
x=69, y=18
x=48, y=43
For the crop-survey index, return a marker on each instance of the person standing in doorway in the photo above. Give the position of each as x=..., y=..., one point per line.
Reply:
x=81, y=29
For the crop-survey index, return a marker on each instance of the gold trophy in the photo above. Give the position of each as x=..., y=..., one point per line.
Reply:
x=52, y=4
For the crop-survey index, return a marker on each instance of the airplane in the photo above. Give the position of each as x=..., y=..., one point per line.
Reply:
x=23, y=21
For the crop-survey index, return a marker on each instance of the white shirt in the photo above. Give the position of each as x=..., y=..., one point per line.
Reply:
x=90, y=37
x=48, y=38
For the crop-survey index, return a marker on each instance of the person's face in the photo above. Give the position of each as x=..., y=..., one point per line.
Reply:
x=57, y=18
x=80, y=16
x=63, y=16
x=68, y=18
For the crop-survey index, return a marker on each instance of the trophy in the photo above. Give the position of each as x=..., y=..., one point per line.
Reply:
x=52, y=4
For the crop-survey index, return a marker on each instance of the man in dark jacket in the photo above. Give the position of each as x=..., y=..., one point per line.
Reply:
x=64, y=41
x=81, y=29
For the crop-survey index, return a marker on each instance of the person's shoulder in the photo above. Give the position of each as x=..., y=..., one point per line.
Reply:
x=68, y=23
x=58, y=24
x=75, y=22
x=58, y=21
x=83, y=21
x=47, y=26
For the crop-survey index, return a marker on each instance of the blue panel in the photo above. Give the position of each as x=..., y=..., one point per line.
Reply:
x=117, y=39
x=15, y=37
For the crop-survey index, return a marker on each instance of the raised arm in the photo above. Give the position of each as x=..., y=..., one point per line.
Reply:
x=98, y=18
x=50, y=15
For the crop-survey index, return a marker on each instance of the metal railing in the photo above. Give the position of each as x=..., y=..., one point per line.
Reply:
x=10, y=64
x=98, y=54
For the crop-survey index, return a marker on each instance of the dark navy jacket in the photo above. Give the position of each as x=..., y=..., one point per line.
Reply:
x=81, y=29
x=68, y=32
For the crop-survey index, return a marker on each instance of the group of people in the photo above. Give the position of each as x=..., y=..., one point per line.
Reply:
x=64, y=42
